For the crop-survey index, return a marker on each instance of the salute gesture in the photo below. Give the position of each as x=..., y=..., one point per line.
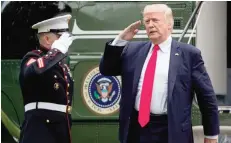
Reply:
x=129, y=32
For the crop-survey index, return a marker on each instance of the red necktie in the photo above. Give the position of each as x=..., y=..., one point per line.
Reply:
x=146, y=93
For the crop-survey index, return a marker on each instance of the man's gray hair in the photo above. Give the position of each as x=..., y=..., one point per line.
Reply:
x=161, y=8
x=41, y=35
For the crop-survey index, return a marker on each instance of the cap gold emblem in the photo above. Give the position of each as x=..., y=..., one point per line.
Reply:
x=56, y=86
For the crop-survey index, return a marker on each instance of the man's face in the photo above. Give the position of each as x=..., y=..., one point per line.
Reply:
x=53, y=37
x=47, y=39
x=50, y=39
x=156, y=26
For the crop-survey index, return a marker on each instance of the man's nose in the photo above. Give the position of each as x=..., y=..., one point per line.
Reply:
x=151, y=24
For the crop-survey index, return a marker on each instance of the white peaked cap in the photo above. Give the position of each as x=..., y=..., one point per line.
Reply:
x=56, y=23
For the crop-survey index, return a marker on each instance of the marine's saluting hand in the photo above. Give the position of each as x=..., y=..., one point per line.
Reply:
x=63, y=43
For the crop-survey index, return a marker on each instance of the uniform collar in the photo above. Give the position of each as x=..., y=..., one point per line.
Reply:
x=43, y=49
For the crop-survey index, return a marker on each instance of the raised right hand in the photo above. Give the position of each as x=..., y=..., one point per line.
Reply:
x=129, y=32
x=63, y=42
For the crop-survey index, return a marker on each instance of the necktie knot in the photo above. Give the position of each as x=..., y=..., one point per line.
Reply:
x=156, y=48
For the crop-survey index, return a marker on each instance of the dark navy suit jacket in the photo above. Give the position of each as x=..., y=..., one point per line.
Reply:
x=187, y=74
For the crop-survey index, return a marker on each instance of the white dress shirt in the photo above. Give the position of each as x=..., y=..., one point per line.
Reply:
x=160, y=86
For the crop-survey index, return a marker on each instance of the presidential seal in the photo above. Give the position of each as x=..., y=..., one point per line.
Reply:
x=101, y=93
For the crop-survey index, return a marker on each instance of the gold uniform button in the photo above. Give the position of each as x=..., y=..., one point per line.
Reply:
x=63, y=69
x=48, y=121
x=65, y=77
x=68, y=101
x=67, y=93
x=55, y=76
x=68, y=85
x=56, y=86
x=69, y=109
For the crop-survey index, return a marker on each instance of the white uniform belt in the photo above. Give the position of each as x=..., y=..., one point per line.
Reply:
x=48, y=106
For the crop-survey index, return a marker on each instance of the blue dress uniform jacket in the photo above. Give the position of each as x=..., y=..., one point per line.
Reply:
x=47, y=89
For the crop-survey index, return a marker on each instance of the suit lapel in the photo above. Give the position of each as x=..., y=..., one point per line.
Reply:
x=175, y=61
x=140, y=62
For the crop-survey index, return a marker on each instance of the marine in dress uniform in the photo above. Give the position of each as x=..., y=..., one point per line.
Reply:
x=47, y=86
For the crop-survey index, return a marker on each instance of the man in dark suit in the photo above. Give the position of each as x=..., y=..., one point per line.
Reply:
x=159, y=78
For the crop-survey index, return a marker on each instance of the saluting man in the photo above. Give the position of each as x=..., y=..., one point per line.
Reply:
x=47, y=85
x=159, y=78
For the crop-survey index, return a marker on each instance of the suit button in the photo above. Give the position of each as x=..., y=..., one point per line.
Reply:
x=55, y=76
x=48, y=121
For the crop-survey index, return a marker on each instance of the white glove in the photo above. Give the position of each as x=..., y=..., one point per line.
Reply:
x=63, y=43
